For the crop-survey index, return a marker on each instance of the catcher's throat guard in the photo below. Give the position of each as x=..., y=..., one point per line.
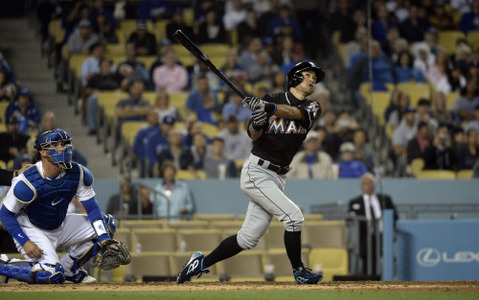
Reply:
x=59, y=145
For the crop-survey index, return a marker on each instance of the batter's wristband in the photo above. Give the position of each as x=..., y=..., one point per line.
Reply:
x=256, y=127
x=270, y=108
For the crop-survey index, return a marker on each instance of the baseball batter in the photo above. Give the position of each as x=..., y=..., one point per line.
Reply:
x=35, y=214
x=278, y=126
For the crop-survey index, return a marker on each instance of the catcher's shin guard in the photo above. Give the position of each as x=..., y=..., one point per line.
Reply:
x=33, y=272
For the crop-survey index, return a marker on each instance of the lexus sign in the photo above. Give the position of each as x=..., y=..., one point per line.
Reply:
x=430, y=257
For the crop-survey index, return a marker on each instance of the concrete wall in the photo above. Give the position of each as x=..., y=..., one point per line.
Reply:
x=215, y=196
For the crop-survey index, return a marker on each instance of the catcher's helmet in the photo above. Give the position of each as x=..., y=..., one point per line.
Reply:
x=46, y=140
x=295, y=77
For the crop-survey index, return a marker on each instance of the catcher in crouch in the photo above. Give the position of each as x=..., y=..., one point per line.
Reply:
x=35, y=214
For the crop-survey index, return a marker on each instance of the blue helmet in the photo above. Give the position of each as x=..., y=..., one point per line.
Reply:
x=46, y=140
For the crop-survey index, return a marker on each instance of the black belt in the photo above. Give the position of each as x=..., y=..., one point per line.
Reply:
x=278, y=169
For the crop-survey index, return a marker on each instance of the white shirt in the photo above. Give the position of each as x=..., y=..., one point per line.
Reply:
x=373, y=201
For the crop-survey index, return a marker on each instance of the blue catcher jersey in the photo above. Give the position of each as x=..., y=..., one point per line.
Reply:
x=47, y=200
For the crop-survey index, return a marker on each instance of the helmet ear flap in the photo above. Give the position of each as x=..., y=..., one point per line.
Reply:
x=296, y=79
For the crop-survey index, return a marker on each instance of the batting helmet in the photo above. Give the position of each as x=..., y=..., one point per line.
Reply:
x=295, y=76
x=47, y=140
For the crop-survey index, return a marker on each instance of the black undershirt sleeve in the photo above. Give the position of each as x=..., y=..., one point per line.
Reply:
x=6, y=177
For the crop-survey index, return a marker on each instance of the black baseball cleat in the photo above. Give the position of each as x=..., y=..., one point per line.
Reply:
x=304, y=275
x=193, y=267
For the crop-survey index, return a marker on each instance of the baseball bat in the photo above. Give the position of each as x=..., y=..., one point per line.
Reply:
x=190, y=46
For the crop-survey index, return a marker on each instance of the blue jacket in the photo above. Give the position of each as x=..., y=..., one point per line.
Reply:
x=352, y=169
x=31, y=118
x=155, y=142
x=407, y=74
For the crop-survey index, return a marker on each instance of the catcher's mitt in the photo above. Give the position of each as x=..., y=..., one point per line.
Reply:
x=111, y=258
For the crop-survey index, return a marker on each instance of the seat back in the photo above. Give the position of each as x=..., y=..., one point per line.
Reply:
x=199, y=239
x=279, y=261
x=274, y=236
x=331, y=261
x=147, y=240
x=436, y=174
x=201, y=224
x=214, y=217
x=124, y=235
x=247, y=265
x=149, y=264
x=325, y=234
x=464, y=174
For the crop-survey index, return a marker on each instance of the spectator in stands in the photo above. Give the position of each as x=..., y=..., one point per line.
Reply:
x=348, y=166
x=156, y=141
x=170, y=76
x=105, y=80
x=283, y=52
x=141, y=138
x=263, y=70
x=249, y=57
x=364, y=152
x=163, y=106
x=26, y=112
x=216, y=165
x=440, y=155
x=12, y=142
x=370, y=205
x=392, y=36
x=105, y=30
x=402, y=134
x=418, y=145
x=468, y=20
x=474, y=123
x=146, y=206
x=413, y=28
x=132, y=69
x=8, y=90
x=279, y=82
x=199, y=150
x=164, y=47
x=177, y=22
x=134, y=108
x=284, y=24
x=394, y=106
x=120, y=204
x=230, y=68
x=175, y=152
x=439, y=70
x=311, y=162
x=468, y=153
x=424, y=114
x=440, y=111
x=192, y=127
x=211, y=30
x=424, y=59
x=198, y=70
x=405, y=70
x=99, y=9
x=154, y=10
x=91, y=65
x=233, y=17
x=203, y=103
x=346, y=124
x=442, y=18
x=237, y=144
x=354, y=46
x=173, y=198
x=82, y=39
x=382, y=23
x=248, y=28
x=430, y=45
x=234, y=107
x=144, y=41
x=46, y=12
x=464, y=106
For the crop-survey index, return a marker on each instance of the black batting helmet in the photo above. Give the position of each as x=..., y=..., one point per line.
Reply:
x=294, y=74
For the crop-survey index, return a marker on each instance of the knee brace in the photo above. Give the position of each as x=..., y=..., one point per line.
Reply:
x=34, y=272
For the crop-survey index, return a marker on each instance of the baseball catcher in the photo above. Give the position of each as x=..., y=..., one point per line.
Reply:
x=35, y=214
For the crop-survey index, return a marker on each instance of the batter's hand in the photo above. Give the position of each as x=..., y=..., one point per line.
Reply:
x=32, y=250
x=259, y=118
x=254, y=104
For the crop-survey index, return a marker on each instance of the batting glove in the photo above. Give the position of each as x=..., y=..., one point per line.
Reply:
x=256, y=104
x=259, y=119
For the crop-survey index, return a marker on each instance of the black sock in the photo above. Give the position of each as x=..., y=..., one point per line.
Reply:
x=227, y=248
x=292, y=243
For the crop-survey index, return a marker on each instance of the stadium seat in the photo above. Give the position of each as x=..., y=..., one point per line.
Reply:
x=447, y=39
x=124, y=235
x=313, y=217
x=210, y=130
x=147, y=60
x=436, y=174
x=330, y=261
x=152, y=264
x=247, y=265
x=115, y=50
x=179, y=225
x=129, y=131
x=226, y=225
x=274, y=236
x=214, y=217
x=450, y=98
x=325, y=234
x=473, y=38
x=190, y=240
x=142, y=224
x=278, y=260
x=464, y=174
x=416, y=91
x=147, y=240
x=379, y=102
x=417, y=165
x=188, y=175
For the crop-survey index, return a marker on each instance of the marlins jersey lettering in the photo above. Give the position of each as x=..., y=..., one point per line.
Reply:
x=281, y=137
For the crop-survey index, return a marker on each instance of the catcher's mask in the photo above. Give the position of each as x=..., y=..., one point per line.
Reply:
x=54, y=140
x=295, y=76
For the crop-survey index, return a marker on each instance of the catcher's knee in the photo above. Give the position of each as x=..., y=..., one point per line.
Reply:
x=246, y=241
x=34, y=272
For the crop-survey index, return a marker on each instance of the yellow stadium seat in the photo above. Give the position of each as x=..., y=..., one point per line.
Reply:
x=464, y=174
x=75, y=63
x=215, y=49
x=447, y=39
x=129, y=130
x=188, y=175
x=417, y=165
x=115, y=50
x=416, y=91
x=336, y=37
x=147, y=240
x=199, y=239
x=142, y=224
x=248, y=265
x=226, y=225
x=313, y=217
x=124, y=235
x=325, y=234
x=160, y=29
x=154, y=264
x=379, y=102
x=3, y=165
x=331, y=261
x=213, y=217
x=450, y=98
x=147, y=60
x=365, y=91
x=3, y=108
x=278, y=262
x=274, y=236
x=181, y=225
x=436, y=174
x=188, y=15
x=210, y=130
x=473, y=38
